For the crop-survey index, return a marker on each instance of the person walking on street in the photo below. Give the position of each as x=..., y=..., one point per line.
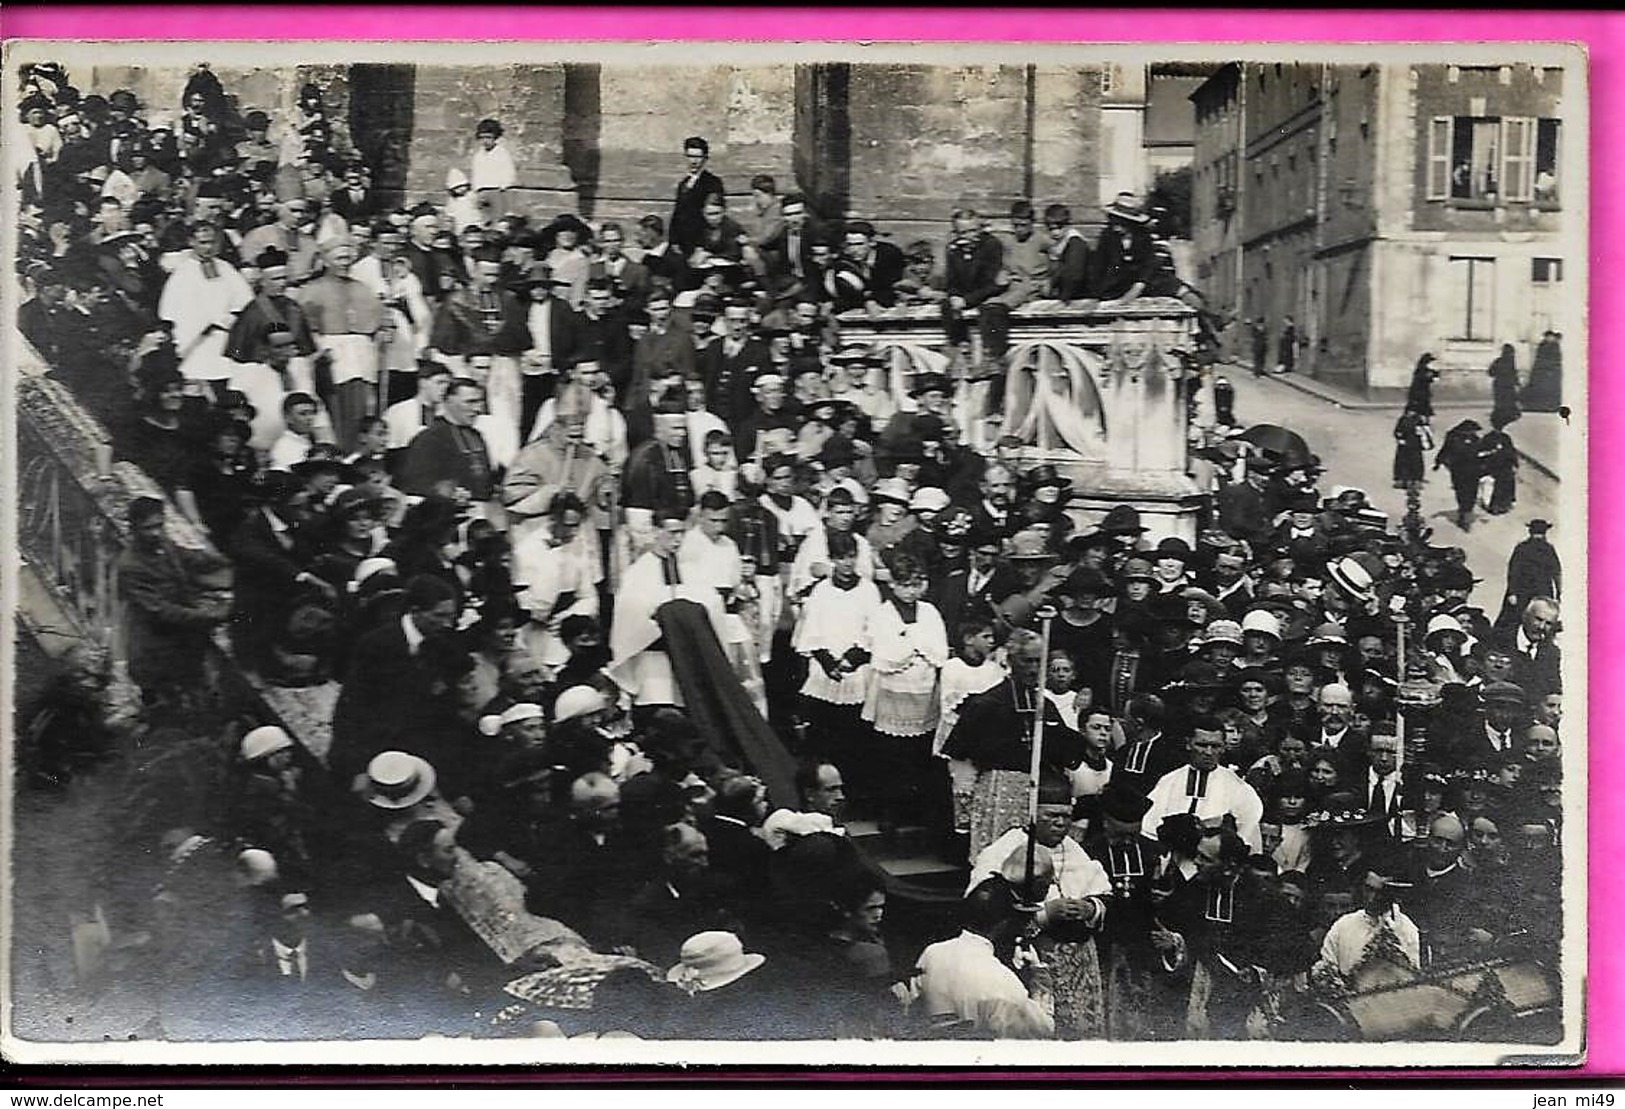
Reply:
x=1498, y=460
x=1289, y=346
x=1533, y=570
x=1261, y=345
x=1413, y=435
x=1504, y=382
x=1420, y=397
x=1459, y=455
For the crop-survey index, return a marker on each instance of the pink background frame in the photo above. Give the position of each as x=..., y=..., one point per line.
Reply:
x=1602, y=34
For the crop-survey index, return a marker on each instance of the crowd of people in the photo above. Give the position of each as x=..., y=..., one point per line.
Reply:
x=641, y=585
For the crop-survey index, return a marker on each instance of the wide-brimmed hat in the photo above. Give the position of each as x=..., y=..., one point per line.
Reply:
x=893, y=489
x=929, y=383
x=1173, y=547
x=1328, y=633
x=1352, y=578
x=1442, y=622
x=1124, y=519
x=1086, y=581
x=1084, y=540
x=1128, y=207
x=397, y=780
x=1221, y=631
x=1046, y=477
x=1170, y=609
x=711, y=960
x=1203, y=676
x=264, y=741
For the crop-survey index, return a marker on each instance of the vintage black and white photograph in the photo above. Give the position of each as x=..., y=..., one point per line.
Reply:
x=789, y=552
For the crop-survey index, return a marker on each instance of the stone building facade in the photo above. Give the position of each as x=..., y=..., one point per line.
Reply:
x=1391, y=210
x=1217, y=184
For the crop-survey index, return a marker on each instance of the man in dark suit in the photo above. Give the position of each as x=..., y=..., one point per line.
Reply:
x=729, y=367
x=1537, y=661
x=867, y=271
x=687, y=218
x=354, y=202
x=628, y=280
x=973, y=591
x=662, y=348
x=975, y=262
x=270, y=566
x=787, y=253
x=386, y=693
x=557, y=341
x=602, y=332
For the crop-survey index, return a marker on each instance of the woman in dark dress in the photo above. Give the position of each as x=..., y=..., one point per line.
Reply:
x=1420, y=397
x=1504, y=383
x=1412, y=436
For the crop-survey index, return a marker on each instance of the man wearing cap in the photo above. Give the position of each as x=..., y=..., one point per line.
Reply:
x=1206, y=789
x=346, y=318
x=688, y=207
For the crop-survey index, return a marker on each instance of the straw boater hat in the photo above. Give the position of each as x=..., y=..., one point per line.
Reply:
x=397, y=780
x=1352, y=578
x=711, y=960
x=493, y=723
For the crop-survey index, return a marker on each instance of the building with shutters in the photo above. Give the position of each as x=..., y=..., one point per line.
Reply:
x=1391, y=210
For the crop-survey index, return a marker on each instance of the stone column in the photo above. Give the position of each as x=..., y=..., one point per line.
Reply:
x=449, y=101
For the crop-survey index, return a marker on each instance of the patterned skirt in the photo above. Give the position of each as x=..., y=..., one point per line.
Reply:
x=998, y=803
x=1080, y=997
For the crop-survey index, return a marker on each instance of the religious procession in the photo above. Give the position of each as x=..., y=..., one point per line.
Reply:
x=729, y=624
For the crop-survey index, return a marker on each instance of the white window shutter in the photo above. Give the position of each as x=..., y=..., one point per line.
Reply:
x=1438, y=167
x=1517, y=158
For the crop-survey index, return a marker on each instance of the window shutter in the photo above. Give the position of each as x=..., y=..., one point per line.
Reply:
x=1517, y=158
x=1438, y=167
